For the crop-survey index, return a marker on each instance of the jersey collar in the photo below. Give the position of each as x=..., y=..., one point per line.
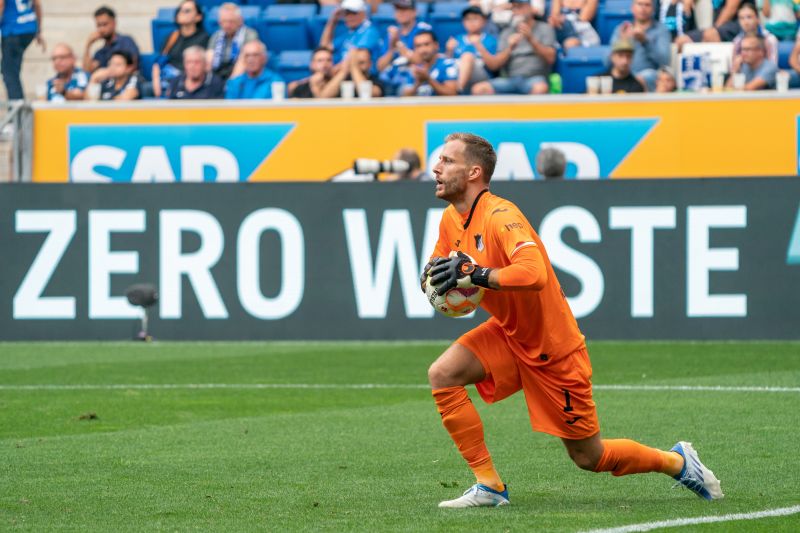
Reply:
x=474, y=205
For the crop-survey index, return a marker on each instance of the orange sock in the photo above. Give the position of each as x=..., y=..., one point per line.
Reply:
x=462, y=421
x=623, y=456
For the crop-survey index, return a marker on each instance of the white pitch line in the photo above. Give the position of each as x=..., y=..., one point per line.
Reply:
x=362, y=386
x=648, y=526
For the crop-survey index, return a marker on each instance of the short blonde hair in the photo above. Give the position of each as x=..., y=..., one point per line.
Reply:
x=477, y=150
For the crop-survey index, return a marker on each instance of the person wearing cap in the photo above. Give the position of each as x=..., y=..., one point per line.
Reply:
x=652, y=42
x=399, y=39
x=621, y=58
x=433, y=74
x=527, y=54
x=725, y=28
x=759, y=71
x=360, y=31
x=471, y=49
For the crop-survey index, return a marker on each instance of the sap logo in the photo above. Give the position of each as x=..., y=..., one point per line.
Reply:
x=191, y=153
x=593, y=148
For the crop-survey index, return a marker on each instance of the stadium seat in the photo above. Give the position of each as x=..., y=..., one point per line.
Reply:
x=293, y=64
x=784, y=52
x=445, y=18
x=209, y=4
x=251, y=14
x=613, y=13
x=285, y=26
x=578, y=63
x=265, y=3
x=162, y=26
x=146, y=62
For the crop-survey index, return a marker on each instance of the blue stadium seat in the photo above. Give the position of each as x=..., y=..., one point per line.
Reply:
x=784, y=51
x=285, y=26
x=451, y=8
x=446, y=25
x=146, y=62
x=613, y=13
x=250, y=14
x=162, y=26
x=578, y=63
x=208, y=4
x=293, y=64
x=264, y=3
x=387, y=9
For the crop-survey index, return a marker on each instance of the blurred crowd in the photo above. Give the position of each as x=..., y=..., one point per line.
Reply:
x=503, y=47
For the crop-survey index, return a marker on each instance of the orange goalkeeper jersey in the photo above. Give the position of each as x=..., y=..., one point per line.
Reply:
x=494, y=233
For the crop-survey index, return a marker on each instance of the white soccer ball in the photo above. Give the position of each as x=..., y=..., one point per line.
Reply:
x=456, y=302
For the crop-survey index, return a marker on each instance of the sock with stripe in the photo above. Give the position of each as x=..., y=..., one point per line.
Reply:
x=462, y=421
x=623, y=456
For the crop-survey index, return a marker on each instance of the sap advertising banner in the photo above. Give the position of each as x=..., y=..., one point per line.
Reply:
x=696, y=259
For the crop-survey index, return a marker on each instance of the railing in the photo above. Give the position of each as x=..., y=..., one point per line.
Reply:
x=19, y=120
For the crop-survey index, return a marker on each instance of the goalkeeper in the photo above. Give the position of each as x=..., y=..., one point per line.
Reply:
x=531, y=342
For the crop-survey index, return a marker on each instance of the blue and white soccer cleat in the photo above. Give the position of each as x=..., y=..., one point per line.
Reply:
x=478, y=495
x=695, y=476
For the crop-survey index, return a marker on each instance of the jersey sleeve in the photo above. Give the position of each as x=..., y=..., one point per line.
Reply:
x=513, y=235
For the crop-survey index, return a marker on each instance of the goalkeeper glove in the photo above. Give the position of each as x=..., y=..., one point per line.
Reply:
x=424, y=276
x=458, y=271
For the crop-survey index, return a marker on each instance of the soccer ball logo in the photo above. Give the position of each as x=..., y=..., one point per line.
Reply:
x=455, y=302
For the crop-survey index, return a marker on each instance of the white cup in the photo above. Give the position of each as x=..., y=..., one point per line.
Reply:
x=592, y=85
x=348, y=89
x=606, y=84
x=717, y=81
x=365, y=90
x=93, y=91
x=782, y=81
x=739, y=80
x=41, y=91
x=278, y=91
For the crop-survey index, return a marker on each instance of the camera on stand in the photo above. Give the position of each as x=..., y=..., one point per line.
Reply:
x=374, y=167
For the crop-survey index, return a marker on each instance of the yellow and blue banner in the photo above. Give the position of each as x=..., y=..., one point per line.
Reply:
x=616, y=137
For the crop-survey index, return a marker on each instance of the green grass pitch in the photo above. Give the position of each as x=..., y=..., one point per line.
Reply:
x=328, y=457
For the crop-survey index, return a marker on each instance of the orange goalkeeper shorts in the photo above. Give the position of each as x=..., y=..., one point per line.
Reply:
x=558, y=390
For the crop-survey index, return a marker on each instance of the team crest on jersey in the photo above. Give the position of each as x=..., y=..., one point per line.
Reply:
x=479, y=242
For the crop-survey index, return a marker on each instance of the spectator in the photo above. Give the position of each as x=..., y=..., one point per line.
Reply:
x=21, y=24
x=196, y=82
x=665, y=83
x=226, y=44
x=433, y=74
x=572, y=20
x=780, y=17
x=400, y=39
x=527, y=53
x=725, y=27
x=622, y=53
x=118, y=81
x=747, y=17
x=794, y=62
x=414, y=172
x=360, y=31
x=677, y=16
x=551, y=163
x=651, y=40
x=471, y=49
x=257, y=80
x=70, y=82
x=759, y=72
x=190, y=32
x=356, y=67
x=499, y=11
x=321, y=67
x=105, y=21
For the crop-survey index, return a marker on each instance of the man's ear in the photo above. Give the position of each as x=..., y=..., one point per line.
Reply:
x=475, y=172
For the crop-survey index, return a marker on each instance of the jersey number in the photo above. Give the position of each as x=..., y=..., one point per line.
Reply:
x=567, y=405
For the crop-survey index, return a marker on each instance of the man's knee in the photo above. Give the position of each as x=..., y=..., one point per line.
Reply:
x=482, y=88
x=584, y=460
